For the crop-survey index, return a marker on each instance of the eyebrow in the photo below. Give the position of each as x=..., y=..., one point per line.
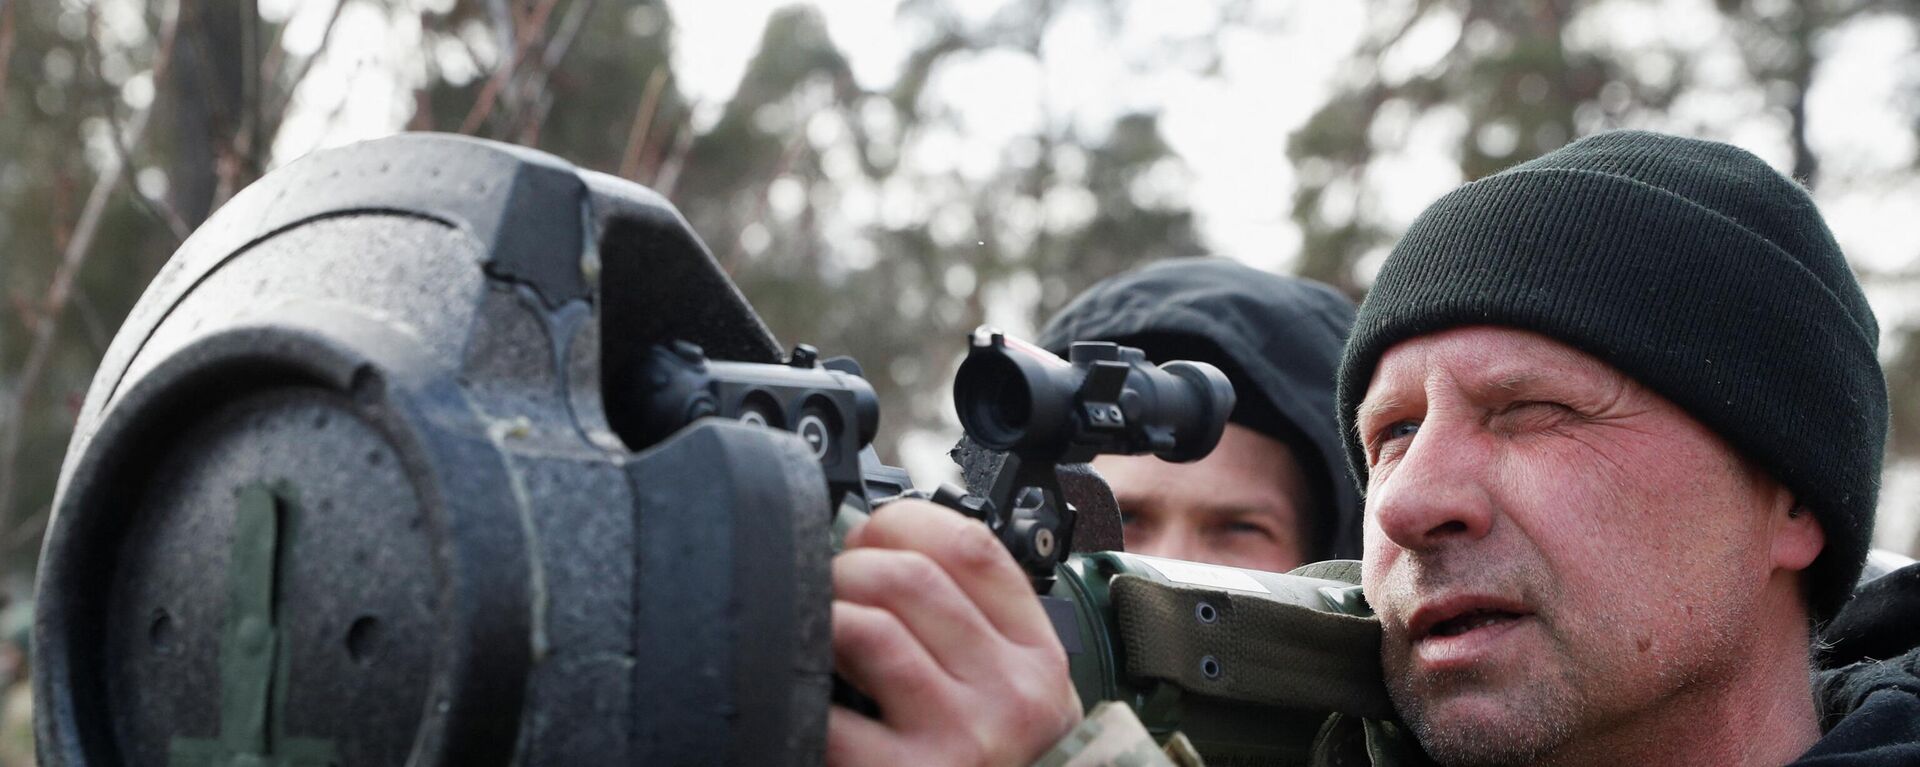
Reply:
x=1530, y=384
x=1513, y=384
x=1372, y=409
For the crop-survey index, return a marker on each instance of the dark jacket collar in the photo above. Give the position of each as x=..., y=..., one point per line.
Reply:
x=1868, y=683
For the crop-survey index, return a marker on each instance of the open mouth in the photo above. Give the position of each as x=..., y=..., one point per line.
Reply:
x=1460, y=615
x=1471, y=620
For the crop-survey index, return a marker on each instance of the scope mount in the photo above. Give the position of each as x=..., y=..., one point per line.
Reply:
x=1026, y=511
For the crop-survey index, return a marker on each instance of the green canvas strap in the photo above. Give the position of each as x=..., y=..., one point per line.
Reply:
x=1243, y=647
x=253, y=665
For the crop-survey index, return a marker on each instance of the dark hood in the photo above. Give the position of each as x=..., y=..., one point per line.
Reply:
x=1278, y=339
x=1868, y=681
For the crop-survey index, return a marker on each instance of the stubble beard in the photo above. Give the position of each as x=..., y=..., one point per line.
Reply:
x=1538, y=705
x=1533, y=721
x=1545, y=706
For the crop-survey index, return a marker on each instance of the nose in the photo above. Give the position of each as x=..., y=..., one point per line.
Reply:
x=1438, y=492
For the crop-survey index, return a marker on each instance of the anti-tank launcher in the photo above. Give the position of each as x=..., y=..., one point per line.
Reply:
x=430, y=451
x=357, y=484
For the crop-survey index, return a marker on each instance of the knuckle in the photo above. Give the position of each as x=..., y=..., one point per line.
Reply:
x=1052, y=658
x=976, y=747
x=975, y=550
x=882, y=577
x=899, y=515
x=1031, y=701
x=864, y=636
x=858, y=573
x=1044, y=700
x=1014, y=737
x=881, y=647
x=910, y=677
x=914, y=573
x=1044, y=657
x=841, y=750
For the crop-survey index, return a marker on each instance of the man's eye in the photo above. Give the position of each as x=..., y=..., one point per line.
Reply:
x=1399, y=430
x=1392, y=440
x=1245, y=528
x=1532, y=415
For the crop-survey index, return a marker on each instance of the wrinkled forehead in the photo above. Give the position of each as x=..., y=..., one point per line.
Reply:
x=1492, y=363
x=1482, y=357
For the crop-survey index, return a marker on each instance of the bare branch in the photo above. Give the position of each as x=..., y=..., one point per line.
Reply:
x=523, y=42
x=564, y=37
x=795, y=145
x=161, y=210
x=99, y=334
x=332, y=119
x=276, y=55
x=6, y=47
x=422, y=118
x=28, y=530
x=528, y=125
x=249, y=142
x=242, y=157
x=669, y=175
x=62, y=204
x=78, y=246
x=292, y=84
x=643, y=123
x=24, y=309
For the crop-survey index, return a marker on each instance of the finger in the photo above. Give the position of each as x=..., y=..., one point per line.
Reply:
x=915, y=589
x=874, y=652
x=967, y=550
x=855, y=741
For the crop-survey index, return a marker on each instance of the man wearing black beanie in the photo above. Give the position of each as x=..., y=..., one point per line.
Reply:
x=1620, y=417
x=1275, y=493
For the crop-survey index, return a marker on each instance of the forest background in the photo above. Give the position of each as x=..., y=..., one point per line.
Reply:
x=880, y=176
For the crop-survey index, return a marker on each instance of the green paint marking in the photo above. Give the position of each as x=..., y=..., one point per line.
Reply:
x=253, y=668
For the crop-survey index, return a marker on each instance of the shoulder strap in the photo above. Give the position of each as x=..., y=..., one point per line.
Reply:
x=1243, y=647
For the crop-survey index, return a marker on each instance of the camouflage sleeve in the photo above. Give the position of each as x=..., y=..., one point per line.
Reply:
x=1111, y=736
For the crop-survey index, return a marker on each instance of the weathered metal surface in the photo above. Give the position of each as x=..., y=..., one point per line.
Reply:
x=414, y=336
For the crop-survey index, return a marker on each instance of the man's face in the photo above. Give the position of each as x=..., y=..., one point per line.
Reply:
x=1554, y=551
x=1239, y=506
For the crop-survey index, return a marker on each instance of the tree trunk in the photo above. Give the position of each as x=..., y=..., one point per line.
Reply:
x=209, y=84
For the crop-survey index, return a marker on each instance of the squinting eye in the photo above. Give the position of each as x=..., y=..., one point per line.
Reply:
x=1245, y=528
x=1392, y=441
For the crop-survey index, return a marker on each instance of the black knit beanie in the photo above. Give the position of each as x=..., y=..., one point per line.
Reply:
x=1689, y=265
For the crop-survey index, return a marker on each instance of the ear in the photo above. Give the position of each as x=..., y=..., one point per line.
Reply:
x=1797, y=535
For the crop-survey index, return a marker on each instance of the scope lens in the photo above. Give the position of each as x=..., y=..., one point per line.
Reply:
x=1013, y=402
x=1000, y=406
